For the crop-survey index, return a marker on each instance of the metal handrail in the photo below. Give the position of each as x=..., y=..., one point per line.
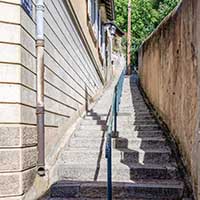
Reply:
x=112, y=128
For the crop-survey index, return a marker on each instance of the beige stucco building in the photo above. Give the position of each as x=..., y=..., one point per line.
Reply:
x=77, y=62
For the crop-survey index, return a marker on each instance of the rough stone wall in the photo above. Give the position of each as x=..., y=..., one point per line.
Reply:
x=169, y=73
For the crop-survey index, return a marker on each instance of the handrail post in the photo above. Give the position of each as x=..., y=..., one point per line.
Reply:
x=109, y=169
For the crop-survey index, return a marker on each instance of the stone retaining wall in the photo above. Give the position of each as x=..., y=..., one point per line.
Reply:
x=169, y=66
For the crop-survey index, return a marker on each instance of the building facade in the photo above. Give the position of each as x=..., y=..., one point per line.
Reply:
x=77, y=66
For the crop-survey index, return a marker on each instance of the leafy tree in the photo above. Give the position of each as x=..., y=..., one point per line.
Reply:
x=146, y=15
x=166, y=6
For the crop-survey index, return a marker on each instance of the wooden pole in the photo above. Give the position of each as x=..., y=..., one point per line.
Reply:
x=129, y=40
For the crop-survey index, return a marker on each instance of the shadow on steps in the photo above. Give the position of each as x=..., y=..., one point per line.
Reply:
x=121, y=190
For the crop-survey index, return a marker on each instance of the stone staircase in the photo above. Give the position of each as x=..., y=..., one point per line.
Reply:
x=143, y=164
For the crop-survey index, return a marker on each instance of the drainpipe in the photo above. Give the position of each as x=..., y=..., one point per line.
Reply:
x=40, y=86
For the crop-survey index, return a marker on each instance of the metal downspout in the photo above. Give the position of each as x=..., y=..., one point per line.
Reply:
x=40, y=86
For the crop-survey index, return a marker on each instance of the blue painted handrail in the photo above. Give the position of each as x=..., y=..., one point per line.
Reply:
x=112, y=129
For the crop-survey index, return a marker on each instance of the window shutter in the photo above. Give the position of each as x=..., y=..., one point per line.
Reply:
x=103, y=43
x=96, y=19
x=100, y=30
x=93, y=11
x=89, y=8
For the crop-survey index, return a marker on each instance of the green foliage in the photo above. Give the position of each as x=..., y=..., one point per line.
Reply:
x=146, y=15
x=166, y=6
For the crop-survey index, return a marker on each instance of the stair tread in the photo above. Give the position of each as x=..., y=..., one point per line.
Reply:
x=143, y=139
x=120, y=138
x=131, y=165
x=137, y=183
x=158, y=150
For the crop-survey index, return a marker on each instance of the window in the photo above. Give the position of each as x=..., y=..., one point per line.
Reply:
x=96, y=26
x=92, y=10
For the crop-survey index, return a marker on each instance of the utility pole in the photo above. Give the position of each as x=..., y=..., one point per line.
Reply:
x=129, y=40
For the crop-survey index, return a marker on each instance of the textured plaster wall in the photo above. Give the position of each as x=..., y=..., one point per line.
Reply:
x=169, y=72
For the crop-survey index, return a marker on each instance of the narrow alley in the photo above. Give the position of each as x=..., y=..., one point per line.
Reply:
x=99, y=100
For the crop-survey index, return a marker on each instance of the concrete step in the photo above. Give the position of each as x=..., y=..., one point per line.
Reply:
x=153, y=171
x=92, y=127
x=121, y=142
x=141, y=127
x=120, y=172
x=139, y=114
x=93, y=122
x=142, y=143
x=95, y=117
x=144, y=117
x=88, y=133
x=133, y=122
x=122, y=133
x=133, y=118
x=147, y=127
x=86, y=157
x=90, y=172
x=144, y=122
x=130, y=106
x=131, y=125
x=85, y=143
x=140, y=134
x=171, y=190
x=132, y=100
x=149, y=156
x=134, y=109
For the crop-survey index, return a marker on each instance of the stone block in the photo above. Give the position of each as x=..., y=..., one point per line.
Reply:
x=17, y=159
x=10, y=113
x=28, y=77
x=10, y=93
x=15, y=184
x=28, y=135
x=29, y=157
x=27, y=41
x=7, y=31
x=28, y=96
x=9, y=13
x=27, y=179
x=9, y=73
x=10, y=184
x=28, y=115
x=9, y=53
x=27, y=60
x=10, y=159
x=18, y=136
x=13, y=93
